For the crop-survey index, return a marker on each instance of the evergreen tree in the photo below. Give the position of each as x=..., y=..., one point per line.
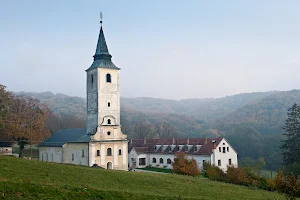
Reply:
x=291, y=145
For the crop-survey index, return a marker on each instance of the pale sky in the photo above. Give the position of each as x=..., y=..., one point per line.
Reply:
x=165, y=49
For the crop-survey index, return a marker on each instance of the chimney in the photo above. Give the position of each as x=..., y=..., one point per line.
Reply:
x=187, y=140
x=214, y=144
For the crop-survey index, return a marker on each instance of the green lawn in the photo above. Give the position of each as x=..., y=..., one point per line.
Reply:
x=25, y=179
x=168, y=171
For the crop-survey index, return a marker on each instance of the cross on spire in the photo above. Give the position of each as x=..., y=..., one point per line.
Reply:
x=101, y=17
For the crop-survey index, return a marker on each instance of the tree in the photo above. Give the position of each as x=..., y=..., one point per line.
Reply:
x=142, y=129
x=291, y=144
x=183, y=165
x=4, y=105
x=25, y=121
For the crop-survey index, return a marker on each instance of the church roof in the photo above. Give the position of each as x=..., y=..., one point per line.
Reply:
x=102, y=58
x=61, y=137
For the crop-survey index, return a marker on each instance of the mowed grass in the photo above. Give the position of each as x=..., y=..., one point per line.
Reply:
x=25, y=179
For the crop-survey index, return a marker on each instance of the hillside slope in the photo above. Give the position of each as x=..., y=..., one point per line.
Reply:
x=24, y=179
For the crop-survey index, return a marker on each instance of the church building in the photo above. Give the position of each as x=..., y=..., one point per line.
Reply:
x=102, y=143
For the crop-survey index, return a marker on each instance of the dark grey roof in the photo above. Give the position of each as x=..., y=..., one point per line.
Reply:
x=61, y=137
x=102, y=58
x=103, y=63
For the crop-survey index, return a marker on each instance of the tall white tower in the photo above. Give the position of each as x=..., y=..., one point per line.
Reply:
x=108, y=146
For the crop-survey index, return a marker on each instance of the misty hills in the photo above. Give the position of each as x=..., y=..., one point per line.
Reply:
x=263, y=111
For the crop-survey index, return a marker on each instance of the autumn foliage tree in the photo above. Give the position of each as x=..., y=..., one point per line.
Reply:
x=183, y=165
x=22, y=119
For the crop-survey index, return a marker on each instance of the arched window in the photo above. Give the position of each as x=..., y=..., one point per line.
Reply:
x=109, y=152
x=161, y=160
x=72, y=157
x=169, y=161
x=108, y=121
x=108, y=104
x=108, y=78
x=153, y=160
x=108, y=132
x=120, y=152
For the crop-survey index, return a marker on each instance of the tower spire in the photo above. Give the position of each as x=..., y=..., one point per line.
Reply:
x=101, y=50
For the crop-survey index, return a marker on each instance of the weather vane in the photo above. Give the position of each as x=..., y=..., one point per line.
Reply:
x=101, y=18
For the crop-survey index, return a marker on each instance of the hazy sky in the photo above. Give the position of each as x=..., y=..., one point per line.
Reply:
x=166, y=49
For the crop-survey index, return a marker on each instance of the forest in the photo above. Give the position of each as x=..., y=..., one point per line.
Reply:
x=251, y=122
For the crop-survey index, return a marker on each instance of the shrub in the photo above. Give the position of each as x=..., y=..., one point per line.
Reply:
x=288, y=185
x=238, y=176
x=213, y=172
x=183, y=165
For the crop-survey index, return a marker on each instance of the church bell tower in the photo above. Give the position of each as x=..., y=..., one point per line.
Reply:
x=108, y=146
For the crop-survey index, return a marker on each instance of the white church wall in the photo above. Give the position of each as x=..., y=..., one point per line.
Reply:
x=76, y=153
x=51, y=154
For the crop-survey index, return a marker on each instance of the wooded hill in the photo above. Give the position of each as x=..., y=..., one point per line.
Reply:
x=251, y=122
x=263, y=111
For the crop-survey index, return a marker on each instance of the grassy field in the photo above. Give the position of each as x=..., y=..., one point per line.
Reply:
x=25, y=179
x=168, y=171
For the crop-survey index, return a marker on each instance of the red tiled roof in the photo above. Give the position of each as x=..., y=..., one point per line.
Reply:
x=147, y=145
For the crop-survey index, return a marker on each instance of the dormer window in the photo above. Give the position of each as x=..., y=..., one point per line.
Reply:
x=195, y=148
x=155, y=148
x=170, y=148
x=186, y=148
x=178, y=148
x=108, y=78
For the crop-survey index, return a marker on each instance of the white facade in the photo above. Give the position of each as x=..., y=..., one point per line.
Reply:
x=216, y=157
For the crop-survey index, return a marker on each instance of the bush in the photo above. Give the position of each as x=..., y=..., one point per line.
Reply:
x=183, y=165
x=213, y=172
x=289, y=185
x=238, y=176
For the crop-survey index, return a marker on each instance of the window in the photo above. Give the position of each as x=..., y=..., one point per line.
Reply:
x=169, y=161
x=224, y=151
x=142, y=161
x=108, y=132
x=72, y=156
x=195, y=148
x=52, y=157
x=203, y=161
x=219, y=162
x=178, y=148
x=229, y=161
x=153, y=160
x=108, y=121
x=108, y=104
x=155, y=148
x=227, y=149
x=120, y=152
x=108, y=78
x=170, y=148
x=223, y=143
x=98, y=152
x=220, y=149
x=82, y=153
x=108, y=153
x=186, y=148
x=161, y=160
x=92, y=79
x=47, y=157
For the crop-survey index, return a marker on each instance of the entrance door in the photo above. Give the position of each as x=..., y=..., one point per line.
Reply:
x=109, y=165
